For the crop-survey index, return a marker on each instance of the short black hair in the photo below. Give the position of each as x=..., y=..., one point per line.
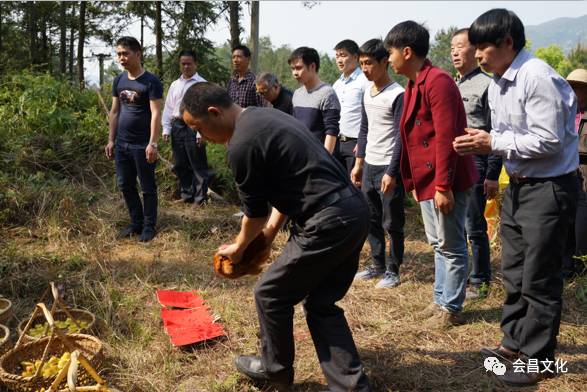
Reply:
x=246, y=51
x=308, y=56
x=200, y=96
x=374, y=48
x=464, y=30
x=495, y=25
x=188, y=52
x=409, y=34
x=130, y=43
x=349, y=45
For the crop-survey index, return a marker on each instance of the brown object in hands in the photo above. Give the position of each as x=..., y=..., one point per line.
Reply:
x=255, y=256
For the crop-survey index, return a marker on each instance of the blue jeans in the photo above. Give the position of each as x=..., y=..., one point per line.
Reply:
x=131, y=162
x=446, y=234
x=476, y=228
x=386, y=216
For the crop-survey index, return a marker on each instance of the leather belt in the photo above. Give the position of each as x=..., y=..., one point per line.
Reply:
x=344, y=138
x=520, y=180
x=329, y=200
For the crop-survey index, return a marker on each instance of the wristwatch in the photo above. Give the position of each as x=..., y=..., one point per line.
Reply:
x=154, y=145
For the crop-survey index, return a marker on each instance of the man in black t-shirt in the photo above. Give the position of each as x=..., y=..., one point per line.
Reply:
x=269, y=87
x=135, y=119
x=276, y=160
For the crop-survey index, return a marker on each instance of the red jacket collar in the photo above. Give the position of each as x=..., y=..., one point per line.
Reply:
x=421, y=78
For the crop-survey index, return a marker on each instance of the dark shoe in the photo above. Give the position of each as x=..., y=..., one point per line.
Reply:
x=252, y=367
x=478, y=292
x=129, y=231
x=148, y=234
x=500, y=352
x=523, y=379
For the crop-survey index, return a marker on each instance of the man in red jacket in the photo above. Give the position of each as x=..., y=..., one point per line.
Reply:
x=433, y=115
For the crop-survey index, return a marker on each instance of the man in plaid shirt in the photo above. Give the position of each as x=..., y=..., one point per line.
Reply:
x=241, y=87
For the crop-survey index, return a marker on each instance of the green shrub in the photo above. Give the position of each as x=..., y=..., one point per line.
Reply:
x=52, y=141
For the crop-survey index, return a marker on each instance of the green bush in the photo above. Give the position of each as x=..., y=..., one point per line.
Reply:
x=223, y=180
x=52, y=139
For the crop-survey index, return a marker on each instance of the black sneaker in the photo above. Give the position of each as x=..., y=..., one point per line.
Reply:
x=148, y=234
x=129, y=231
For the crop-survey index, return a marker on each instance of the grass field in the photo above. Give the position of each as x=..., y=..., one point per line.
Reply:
x=117, y=281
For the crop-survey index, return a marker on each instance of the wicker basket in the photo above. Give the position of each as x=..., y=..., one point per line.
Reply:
x=5, y=310
x=10, y=363
x=4, y=338
x=78, y=314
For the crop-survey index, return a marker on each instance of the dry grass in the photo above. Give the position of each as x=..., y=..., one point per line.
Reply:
x=117, y=281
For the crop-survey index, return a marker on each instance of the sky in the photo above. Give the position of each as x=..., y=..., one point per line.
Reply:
x=328, y=22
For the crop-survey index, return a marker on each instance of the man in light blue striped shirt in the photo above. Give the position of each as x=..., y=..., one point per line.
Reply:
x=349, y=89
x=533, y=127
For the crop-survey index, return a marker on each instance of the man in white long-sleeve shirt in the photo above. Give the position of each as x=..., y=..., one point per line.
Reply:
x=533, y=127
x=189, y=151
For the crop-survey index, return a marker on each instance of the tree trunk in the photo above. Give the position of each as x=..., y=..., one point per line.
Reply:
x=44, y=55
x=32, y=32
x=71, y=42
x=0, y=26
x=80, y=44
x=158, y=40
x=142, y=31
x=63, y=38
x=235, y=30
x=255, y=35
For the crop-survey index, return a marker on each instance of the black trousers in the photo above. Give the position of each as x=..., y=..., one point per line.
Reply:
x=386, y=215
x=190, y=163
x=476, y=228
x=317, y=266
x=535, y=222
x=345, y=154
x=131, y=162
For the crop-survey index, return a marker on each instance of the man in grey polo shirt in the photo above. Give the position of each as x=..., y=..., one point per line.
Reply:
x=533, y=127
x=349, y=89
x=473, y=83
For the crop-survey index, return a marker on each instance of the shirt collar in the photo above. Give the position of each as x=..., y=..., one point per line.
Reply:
x=510, y=74
x=248, y=76
x=355, y=74
x=195, y=77
x=474, y=72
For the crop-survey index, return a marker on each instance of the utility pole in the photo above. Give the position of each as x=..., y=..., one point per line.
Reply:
x=101, y=57
x=255, y=34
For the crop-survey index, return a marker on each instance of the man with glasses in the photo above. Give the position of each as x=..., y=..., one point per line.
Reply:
x=269, y=88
